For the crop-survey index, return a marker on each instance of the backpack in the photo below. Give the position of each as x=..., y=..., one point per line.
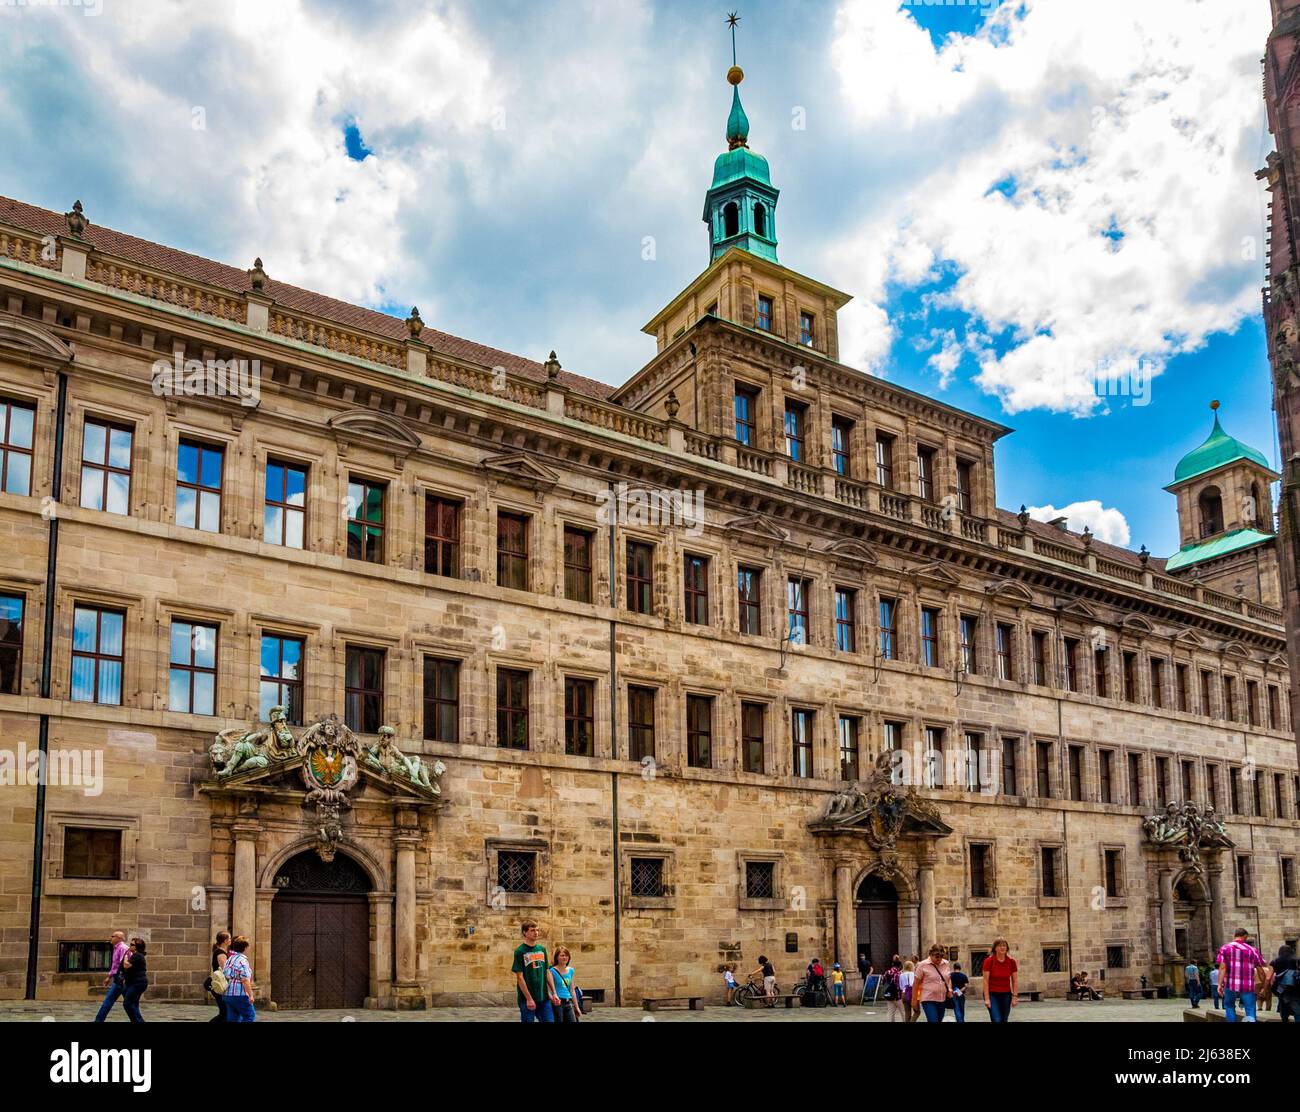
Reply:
x=1288, y=984
x=891, y=984
x=217, y=983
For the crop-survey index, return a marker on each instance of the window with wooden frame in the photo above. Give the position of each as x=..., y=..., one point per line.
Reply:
x=925, y=477
x=106, y=466
x=579, y=717
x=1100, y=677
x=699, y=731
x=1074, y=764
x=764, y=312
x=846, y=620
x=1157, y=682
x=1010, y=766
x=1004, y=636
x=753, y=735
x=746, y=410
x=981, y=870
x=640, y=723
x=888, y=628
x=640, y=577
x=442, y=525
x=12, y=611
x=798, y=604
x=441, y=698
x=97, y=655
x=841, y=439
x=192, y=675
x=579, y=547
x=1181, y=691
x=1135, y=796
x=1043, y=754
x=1207, y=693
x=1050, y=872
x=796, y=420
x=366, y=521
x=801, y=742
x=695, y=588
x=968, y=633
x=965, y=485
x=884, y=461
x=1038, y=656
x=849, y=762
x=1162, y=781
x=1106, y=775
x=930, y=655
x=512, y=550
x=284, y=512
x=1070, y=661
x=17, y=427
x=198, y=486
x=1128, y=662
x=1252, y=702
x=1274, y=708
x=750, y=599
x=892, y=734
x=512, y=708
x=807, y=328
x=935, y=769
x=363, y=689
x=92, y=853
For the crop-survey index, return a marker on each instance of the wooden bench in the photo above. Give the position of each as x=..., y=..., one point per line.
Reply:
x=1033, y=996
x=788, y=998
x=691, y=1003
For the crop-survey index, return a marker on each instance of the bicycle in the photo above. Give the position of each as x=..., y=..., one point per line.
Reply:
x=750, y=990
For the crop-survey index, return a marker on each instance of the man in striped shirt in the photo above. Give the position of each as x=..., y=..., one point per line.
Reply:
x=1238, y=961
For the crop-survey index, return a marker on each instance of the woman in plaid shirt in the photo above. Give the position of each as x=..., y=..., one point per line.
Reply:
x=1238, y=961
x=239, y=984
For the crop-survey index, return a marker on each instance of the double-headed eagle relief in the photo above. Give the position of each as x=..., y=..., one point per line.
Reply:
x=879, y=807
x=1188, y=829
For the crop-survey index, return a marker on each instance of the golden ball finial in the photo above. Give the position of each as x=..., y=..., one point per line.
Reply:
x=1214, y=404
x=735, y=75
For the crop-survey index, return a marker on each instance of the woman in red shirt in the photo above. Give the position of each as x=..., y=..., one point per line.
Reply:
x=1001, y=976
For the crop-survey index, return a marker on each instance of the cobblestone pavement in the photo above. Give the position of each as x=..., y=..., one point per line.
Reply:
x=1050, y=1011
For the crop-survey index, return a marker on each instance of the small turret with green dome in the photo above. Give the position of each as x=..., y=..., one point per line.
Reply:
x=740, y=206
x=1218, y=450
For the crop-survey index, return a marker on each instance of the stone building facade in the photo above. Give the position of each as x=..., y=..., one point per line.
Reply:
x=653, y=635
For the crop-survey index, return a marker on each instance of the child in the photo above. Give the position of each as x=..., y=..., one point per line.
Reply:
x=729, y=981
x=837, y=986
x=959, y=981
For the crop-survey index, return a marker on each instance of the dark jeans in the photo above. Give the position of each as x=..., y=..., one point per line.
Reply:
x=1286, y=1009
x=543, y=1014
x=1194, y=993
x=934, y=1010
x=131, y=1001
x=999, y=1007
x=566, y=1012
x=110, y=998
x=959, y=1008
x=239, y=1009
x=220, y=1017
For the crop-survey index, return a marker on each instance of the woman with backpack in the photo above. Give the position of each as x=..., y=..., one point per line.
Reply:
x=905, y=981
x=933, y=986
x=1286, y=983
x=240, y=989
x=891, y=990
x=216, y=983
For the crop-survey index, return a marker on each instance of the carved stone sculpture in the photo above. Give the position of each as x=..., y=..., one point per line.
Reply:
x=385, y=756
x=879, y=807
x=1187, y=829
x=241, y=750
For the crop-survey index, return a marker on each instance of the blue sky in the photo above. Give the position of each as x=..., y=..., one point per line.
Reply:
x=1021, y=197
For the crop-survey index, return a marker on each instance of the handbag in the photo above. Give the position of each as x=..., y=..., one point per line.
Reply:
x=217, y=983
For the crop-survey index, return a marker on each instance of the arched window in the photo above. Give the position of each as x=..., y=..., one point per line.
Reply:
x=760, y=219
x=1211, y=507
x=731, y=220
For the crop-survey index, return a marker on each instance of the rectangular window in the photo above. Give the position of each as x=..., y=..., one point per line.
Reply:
x=752, y=735
x=646, y=877
x=1099, y=675
x=893, y=743
x=968, y=628
x=1245, y=885
x=1005, y=637
x=764, y=313
x=749, y=599
x=1188, y=775
x=1288, y=878
x=1071, y=662
x=1114, y=860
x=198, y=486
x=512, y=709
x=801, y=739
x=441, y=536
x=1229, y=699
x=888, y=628
x=930, y=637
x=1106, y=775
x=1274, y=709
x=699, y=731
x=516, y=872
x=846, y=620
x=1279, y=796
x=512, y=550
x=795, y=422
x=85, y=957
x=885, y=461
x=1010, y=766
x=1051, y=871
x=1212, y=785
x=363, y=689
x=284, y=513
x=1257, y=782
x=280, y=679
x=807, y=329
x=1162, y=781
x=97, y=656
x=1180, y=683
x=965, y=485
x=579, y=717
x=1207, y=699
x=578, y=544
x=980, y=861
x=1074, y=759
x=841, y=434
x=934, y=760
x=760, y=880
x=1043, y=749
x=1157, y=682
x=12, y=609
x=1115, y=958
x=1252, y=702
x=366, y=521
x=441, y=699
x=640, y=723
x=746, y=416
x=696, y=588
x=1129, y=667
x=1052, y=959
x=106, y=467
x=17, y=424
x=1234, y=790
x=91, y=853
x=974, y=744
x=925, y=472
x=1038, y=656
x=798, y=592
x=848, y=748
x=1135, y=780
x=640, y=577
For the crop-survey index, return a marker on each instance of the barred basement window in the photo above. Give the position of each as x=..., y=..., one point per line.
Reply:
x=1115, y=958
x=647, y=877
x=1052, y=960
x=516, y=871
x=977, y=962
x=85, y=957
x=760, y=880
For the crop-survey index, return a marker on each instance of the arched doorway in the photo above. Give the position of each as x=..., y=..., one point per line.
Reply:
x=877, y=908
x=1192, y=918
x=320, y=933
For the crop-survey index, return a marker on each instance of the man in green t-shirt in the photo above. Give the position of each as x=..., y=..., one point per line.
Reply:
x=534, y=995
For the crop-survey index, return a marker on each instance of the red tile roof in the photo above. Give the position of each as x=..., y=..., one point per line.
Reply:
x=197, y=269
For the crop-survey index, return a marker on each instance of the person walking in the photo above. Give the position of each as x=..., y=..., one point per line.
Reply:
x=135, y=979
x=113, y=982
x=240, y=990
x=220, y=951
x=892, y=989
x=560, y=977
x=1214, y=985
x=1286, y=983
x=1001, y=981
x=1192, y=982
x=532, y=993
x=1237, y=962
x=959, y=981
x=906, y=979
x=932, y=987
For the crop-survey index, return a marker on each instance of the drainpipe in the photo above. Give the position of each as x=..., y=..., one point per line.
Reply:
x=47, y=659
x=613, y=747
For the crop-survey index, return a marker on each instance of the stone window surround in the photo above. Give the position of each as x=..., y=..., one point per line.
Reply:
x=990, y=872
x=664, y=741
x=660, y=595
x=772, y=708
x=176, y=430
x=1238, y=899
x=668, y=901
x=125, y=887
x=141, y=422
x=498, y=900
x=1018, y=737
x=1125, y=946
x=1088, y=770
x=778, y=901
x=1120, y=900
x=1289, y=901
x=229, y=686
x=986, y=732
x=133, y=639
x=391, y=647
x=536, y=515
x=1062, y=878
x=263, y=452
x=854, y=588
x=715, y=553
x=1053, y=766
x=601, y=741
x=32, y=592
x=722, y=746
x=1118, y=772
x=1050, y=944
x=767, y=620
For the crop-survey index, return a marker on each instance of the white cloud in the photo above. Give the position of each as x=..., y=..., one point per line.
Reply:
x=1107, y=525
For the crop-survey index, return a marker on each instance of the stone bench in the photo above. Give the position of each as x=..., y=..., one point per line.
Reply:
x=691, y=1003
x=788, y=998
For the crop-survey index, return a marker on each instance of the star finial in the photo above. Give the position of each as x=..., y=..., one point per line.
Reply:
x=733, y=20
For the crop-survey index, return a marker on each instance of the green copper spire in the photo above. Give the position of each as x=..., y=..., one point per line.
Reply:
x=1219, y=449
x=740, y=206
